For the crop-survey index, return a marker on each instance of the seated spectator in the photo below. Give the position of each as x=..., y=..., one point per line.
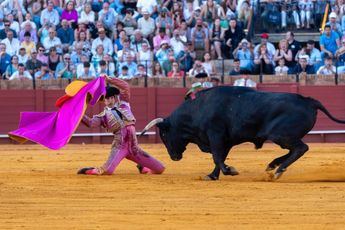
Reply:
x=157, y=70
x=137, y=41
x=5, y=58
x=50, y=15
x=269, y=46
x=3, y=32
x=43, y=32
x=176, y=72
x=159, y=38
x=335, y=26
x=209, y=64
x=120, y=41
x=283, y=52
x=104, y=70
x=245, y=81
x=293, y=45
x=329, y=42
x=200, y=37
x=215, y=81
x=130, y=24
x=70, y=14
x=44, y=73
x=102, y=40
x=36, y=10
x=176, y=43
x=21, y=73
x=209, y=13
x=125, y=51
x=217, y=38
x=328, y=68
x=22, y=56
x=302, y=67
x=281, y=69
x=245, y=54
x=53, y=59
x=131, y=66
x=202, y=82
x=13, y=7
x=83, y=42
x=96, y=58
x=145, y=56
x=236, y=70
x=110, y=66
x=124, y=73
x=146, y=25
x=52, y=41
x=162, y=54
x=65, y=69
x=14, y=24
x=85, y=71
x=197, y=68
x=233, y=37
x=33, y=64
x=108, y=16
x=263, y=61
x=141, y=71
x=65, y=33
x=167, y=64
x=305, y=8
x=28, y=29
x=314, y=55
x=245, y=15
x=186, y=58
x=28, y=44
x=11, y=68
x=41, y=56
x=87, y=15
x=28, y=20
x=77, y=53
x=164, y=20
x=150, y=7
x=12, y=44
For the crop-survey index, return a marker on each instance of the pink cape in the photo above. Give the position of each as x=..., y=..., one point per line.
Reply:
x=54, y=129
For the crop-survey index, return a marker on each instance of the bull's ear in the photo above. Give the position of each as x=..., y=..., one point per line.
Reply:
x=164, y=125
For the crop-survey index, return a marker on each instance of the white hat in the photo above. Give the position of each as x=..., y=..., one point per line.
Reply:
x=333, y=15
x=144, y=11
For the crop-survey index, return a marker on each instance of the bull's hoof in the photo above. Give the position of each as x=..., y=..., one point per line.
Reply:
x=210, y=177
x=269, y=168
x=278, y=174
x=229, y=170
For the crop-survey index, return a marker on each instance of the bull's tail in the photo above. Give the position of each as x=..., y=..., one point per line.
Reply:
x=319, y=106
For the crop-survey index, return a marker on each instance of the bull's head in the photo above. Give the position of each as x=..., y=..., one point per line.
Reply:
x=172, y=140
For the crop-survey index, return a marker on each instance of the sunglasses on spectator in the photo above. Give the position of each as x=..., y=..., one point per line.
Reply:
x=41, y=50
x=7, y=24
x=67, y=58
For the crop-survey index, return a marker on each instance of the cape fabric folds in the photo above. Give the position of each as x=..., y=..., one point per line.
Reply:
x=54, y=129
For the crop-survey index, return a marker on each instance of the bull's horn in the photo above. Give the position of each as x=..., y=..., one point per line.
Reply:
x=151, y=124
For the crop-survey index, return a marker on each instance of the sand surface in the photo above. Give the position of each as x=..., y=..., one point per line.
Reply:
x=39, y=189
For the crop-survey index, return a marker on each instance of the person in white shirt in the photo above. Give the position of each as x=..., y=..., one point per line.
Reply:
x=177, y=43
x=52, y=41
x=12, y=44
x=245, y=82
x=149, y=5
x=328, y=68
x=146, y=24
x=264, y=41
x=104, y=40
x=14, y=24
x=87, y=14
x=281, y=69
x=50, y=15
x=21, y=73
x=85, y=71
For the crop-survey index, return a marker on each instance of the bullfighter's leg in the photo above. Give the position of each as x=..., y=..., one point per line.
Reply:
x=277, y=162
x=146, y=163
x=297, y=150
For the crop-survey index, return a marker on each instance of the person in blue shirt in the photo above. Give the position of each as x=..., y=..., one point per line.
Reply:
x=329, y=42
x=44, y=73
x=65, y=33
x=5, y=59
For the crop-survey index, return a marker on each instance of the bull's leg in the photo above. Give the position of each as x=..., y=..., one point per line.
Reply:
x=277, y=162
x=297, y=150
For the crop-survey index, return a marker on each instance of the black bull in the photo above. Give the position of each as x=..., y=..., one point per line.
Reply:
x=222, y=117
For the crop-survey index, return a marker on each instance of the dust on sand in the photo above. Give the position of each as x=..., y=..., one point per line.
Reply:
x=39, y=189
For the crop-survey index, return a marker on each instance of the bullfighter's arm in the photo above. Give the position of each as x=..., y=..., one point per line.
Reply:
x=95, y=121
x=122, y=86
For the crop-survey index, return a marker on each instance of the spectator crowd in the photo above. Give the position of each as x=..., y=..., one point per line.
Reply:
x=138, y=38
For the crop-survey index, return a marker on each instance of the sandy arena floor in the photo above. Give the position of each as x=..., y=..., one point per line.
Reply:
x=39, y=189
